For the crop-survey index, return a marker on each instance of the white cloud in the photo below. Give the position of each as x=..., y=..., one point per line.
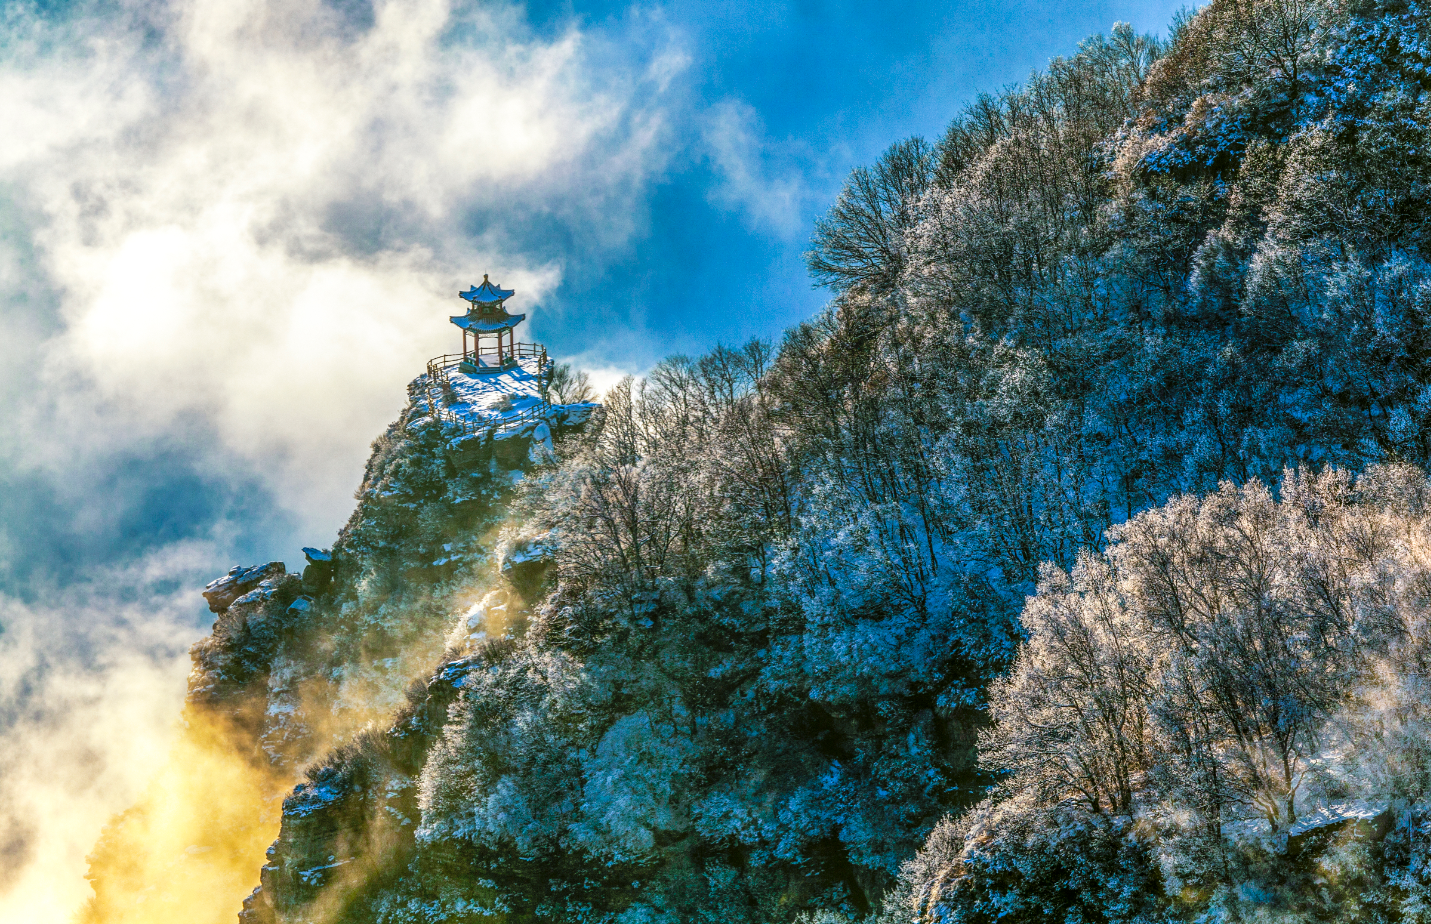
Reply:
x=264, y=220
x=90, y=688
x=769, y=198
x=255, y=216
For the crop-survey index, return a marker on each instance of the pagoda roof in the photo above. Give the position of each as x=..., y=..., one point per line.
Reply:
x=488, y=325
x=487, y=293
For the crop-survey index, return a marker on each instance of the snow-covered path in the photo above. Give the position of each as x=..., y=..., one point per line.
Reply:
x=495, y=397
x=497, y=404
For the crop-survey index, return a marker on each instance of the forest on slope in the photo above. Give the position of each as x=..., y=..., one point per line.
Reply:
x=1063, y=569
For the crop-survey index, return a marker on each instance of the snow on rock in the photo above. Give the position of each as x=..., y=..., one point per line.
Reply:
x=525, y=564
x=524, y=551
x=499, y=405
x=314, y=796
x=225, y=591
x=285, y=724
x=319, y=570
x=574, y=415
x=490, y=619
x=490, y=614
x=266, y=590
x=494, y=399
x=542, y=450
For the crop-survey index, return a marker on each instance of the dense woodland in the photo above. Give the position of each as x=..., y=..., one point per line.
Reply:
x=1061, y=569
x=789, y=581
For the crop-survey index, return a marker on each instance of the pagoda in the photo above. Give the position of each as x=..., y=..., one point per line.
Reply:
x=492, y=345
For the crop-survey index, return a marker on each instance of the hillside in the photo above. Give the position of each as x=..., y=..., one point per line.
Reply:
x=1067, y=568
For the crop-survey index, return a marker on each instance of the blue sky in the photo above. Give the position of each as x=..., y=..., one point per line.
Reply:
x=828, y=86
x=231, y=231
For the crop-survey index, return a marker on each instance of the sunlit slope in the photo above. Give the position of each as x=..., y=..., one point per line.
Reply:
x=297, y=665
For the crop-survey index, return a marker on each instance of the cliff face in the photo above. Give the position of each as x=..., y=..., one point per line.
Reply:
x=298, y=664
x=347, y=835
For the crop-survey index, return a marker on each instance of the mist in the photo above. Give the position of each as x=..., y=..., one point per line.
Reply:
x=231, y=232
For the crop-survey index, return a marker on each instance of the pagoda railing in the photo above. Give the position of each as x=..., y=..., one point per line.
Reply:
x=439, y=392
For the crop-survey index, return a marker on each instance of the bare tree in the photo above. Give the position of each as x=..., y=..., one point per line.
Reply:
x=861, y=241
x=569, y=385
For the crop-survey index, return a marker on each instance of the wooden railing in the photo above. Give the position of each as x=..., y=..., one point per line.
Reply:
x=438, y=366
x=439, y=392
x=531, y=349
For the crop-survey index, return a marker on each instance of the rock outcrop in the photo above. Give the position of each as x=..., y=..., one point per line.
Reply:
x=296, y=667
x=221, y=593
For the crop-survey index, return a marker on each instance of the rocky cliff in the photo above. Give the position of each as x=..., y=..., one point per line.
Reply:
x=299, y=664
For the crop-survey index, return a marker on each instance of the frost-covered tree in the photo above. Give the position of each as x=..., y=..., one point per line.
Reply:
x=1228, y=660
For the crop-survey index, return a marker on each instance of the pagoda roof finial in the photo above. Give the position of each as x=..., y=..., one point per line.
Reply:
x=487, y=313
x=487, y=293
